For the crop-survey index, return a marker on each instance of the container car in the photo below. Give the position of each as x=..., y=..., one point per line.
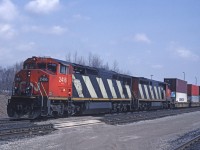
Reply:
x=178, y=89
x=193, y=94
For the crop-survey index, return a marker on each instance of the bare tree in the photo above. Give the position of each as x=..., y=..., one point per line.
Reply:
x=81, y=60
x=96, y=61
x=115, y=66
x=90, y=59
x=75, y=57
x=106, y=66
x=7, y=76
x=68, y=57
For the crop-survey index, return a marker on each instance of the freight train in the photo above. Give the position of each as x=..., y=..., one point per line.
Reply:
x=51, y=87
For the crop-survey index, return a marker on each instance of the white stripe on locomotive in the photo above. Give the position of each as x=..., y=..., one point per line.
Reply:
x=78, y=86
x=89, y=86
x=112, y=88
x=155, y=89
x=102, y=87
x=164, y=93
x=159, y=92
x=146, y=91
x=120, y=89
x=151, y=90
x=141, y=92
x=128, y=90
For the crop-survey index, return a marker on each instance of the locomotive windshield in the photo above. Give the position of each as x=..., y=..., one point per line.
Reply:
x=45, y=66
x=29, y=66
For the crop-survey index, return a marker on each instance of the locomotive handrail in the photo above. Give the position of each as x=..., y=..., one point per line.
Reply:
x=40, y=92
x=44, y=90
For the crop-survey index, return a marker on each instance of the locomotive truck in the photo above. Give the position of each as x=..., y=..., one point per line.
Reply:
x=51, y=87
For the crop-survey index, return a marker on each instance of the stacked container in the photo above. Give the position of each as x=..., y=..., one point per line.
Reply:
x=178, y=89
x=193, y=93
x=199, y=93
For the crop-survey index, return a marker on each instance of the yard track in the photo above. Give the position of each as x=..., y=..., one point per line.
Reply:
x=124, y=118
x=22, y=128
x=193, y=144
x=18, y=129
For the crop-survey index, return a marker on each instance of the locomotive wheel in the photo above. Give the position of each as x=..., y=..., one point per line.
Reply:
x=34, y=114
x=114, y=109
x=71, y=110
x=10, y=111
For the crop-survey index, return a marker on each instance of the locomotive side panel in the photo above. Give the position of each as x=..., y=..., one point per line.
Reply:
x=149, y=90
x=91, y=87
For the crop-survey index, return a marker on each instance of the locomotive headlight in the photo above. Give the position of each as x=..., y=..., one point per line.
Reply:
x=29, y=74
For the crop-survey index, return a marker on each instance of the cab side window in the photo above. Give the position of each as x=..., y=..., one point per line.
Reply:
x=52, y=67
x=63, y=69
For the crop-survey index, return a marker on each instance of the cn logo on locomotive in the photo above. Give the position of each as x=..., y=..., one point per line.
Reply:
x=62, y=79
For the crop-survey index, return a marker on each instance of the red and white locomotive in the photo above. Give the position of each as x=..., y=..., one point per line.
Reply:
x=52, y=87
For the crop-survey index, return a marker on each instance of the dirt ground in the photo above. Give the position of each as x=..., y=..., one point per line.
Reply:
x=160, y=134
x=3, y=105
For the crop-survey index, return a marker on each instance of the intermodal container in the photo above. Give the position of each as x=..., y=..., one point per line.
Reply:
x=199, y=93
x=176, y=85
x=193, y=98
x=179, y=97
x=192, y=90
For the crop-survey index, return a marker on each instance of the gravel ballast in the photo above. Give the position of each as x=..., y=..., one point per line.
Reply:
x=161, y=134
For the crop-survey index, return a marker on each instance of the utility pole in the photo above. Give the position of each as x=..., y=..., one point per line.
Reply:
x=196, y=80
x=151, y=77
x=184, y=76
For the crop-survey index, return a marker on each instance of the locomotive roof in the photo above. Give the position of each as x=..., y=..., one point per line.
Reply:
x=147, y=79
x=102, y=71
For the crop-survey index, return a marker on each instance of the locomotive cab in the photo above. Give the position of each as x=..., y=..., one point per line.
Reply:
x=39, y=88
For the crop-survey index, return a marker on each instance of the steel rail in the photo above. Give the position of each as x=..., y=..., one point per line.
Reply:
x=115, y=119
x=188, y=144
x=22, y=131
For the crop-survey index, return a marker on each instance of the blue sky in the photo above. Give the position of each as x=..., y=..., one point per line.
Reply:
x=146, y=37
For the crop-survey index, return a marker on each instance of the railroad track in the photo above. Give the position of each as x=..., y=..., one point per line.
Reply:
x=193, y=144
x=24, y=128
x=16, y=130
x=114, y=119
x=12, y=129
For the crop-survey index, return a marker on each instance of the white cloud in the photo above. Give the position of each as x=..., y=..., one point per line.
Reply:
x=141, y=37
x=42, y=6
x=8, y=10
x=182, y=52
x=186, y=53
x=55, y=30
x=7, y=31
